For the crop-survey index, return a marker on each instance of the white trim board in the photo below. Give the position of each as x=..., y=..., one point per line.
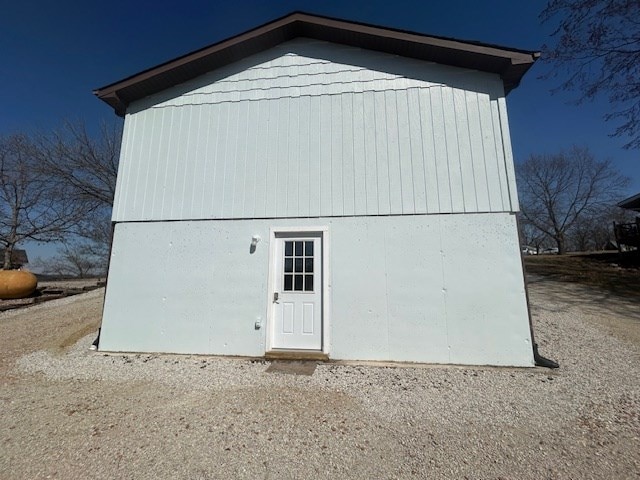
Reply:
x=326, y=284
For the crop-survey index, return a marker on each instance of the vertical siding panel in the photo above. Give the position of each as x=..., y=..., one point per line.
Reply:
x=262, y=162
x=382, y=159
x=440, y=146
x=148, y=160
x=490, y=161
x=348, y=184
x=430, y=173
x=282, y=157
x=293, y=155
x=325, y=155
x=220, y=157
x=393, y=152
x=500, y=165
x=168, y=178
x=251, y=166
x=187, y=137
x=478, y=152
x=140, y=160
x=176, y=162
x=159, y=156
x=359, y=156
x=271, y=151
x=337, y=163
x=297, y=137
x=315, y=157
x=124, y=168
x=405, y=153
x=465, y=150
x=230, y=158
x=209, y=125
x=453, y=153
x=508, y=155
x=197, y=146
x=303, y=157
x=417, y=153
x=242, y=139
x=370, y=160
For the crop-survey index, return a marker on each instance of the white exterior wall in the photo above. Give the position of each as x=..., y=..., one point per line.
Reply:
x=411, y=287
x=408, y=165
x=315, y=129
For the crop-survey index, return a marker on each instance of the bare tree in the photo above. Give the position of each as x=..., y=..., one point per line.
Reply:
x=597, y=45
x=33, y=205
x=88, y=166
x=74, y=259
x=557, y=191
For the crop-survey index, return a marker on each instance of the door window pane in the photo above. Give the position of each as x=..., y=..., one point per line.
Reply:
x=308, y=283
x=298, y=266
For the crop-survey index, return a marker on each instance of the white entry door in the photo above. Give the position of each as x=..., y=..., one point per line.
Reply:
x=297, y=296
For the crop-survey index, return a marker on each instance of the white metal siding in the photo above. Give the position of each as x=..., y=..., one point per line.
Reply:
x=411, y=288
x=314, y=129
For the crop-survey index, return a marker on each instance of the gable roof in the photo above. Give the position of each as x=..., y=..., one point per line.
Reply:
x=511, y=64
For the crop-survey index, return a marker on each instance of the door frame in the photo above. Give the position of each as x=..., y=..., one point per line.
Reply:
x=325, y=301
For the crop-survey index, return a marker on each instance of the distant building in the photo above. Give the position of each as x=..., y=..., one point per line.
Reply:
x=631, y=203
x=349, y=190
x=628, y=233
x=18, y=258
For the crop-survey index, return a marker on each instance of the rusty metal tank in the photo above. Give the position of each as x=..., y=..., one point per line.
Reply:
x=17, y=284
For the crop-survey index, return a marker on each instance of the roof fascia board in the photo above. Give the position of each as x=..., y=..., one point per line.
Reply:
x=190, y=57
x=514, y=63
x=515, y=56
x=629, y=202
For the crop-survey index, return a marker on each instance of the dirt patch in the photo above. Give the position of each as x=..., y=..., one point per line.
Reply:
x=615, y=315
x=292, y=367
x=617, y=273
x=54, y=326
x=72, y=339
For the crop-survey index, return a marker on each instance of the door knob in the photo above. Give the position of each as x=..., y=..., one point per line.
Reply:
x=275, y=297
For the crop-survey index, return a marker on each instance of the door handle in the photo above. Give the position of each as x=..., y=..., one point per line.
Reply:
x=275, y=297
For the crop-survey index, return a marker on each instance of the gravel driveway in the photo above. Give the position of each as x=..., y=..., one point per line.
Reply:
x=66, y=412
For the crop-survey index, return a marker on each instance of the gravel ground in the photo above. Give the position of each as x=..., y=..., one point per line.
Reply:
x=66, y=412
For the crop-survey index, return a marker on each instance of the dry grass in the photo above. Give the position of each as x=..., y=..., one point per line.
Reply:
x=618, y=273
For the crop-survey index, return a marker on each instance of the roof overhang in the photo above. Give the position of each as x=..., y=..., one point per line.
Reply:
x=631, y=203
x=510, y=64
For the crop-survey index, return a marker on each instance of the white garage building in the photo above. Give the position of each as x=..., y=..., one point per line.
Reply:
x=320, y=187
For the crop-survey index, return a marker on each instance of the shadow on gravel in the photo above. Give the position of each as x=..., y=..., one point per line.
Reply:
x=616, y=273
x=619, y=315
x=592, y=299
x=292, y=367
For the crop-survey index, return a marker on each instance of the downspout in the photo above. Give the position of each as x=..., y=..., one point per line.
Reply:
x=538, y=359
x=96, y=343
x=509, y=165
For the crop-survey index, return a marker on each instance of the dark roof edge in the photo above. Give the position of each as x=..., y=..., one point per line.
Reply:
x=631, y=202
x=113, y=93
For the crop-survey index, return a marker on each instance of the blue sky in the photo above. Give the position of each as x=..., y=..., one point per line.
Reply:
x=55, y=54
